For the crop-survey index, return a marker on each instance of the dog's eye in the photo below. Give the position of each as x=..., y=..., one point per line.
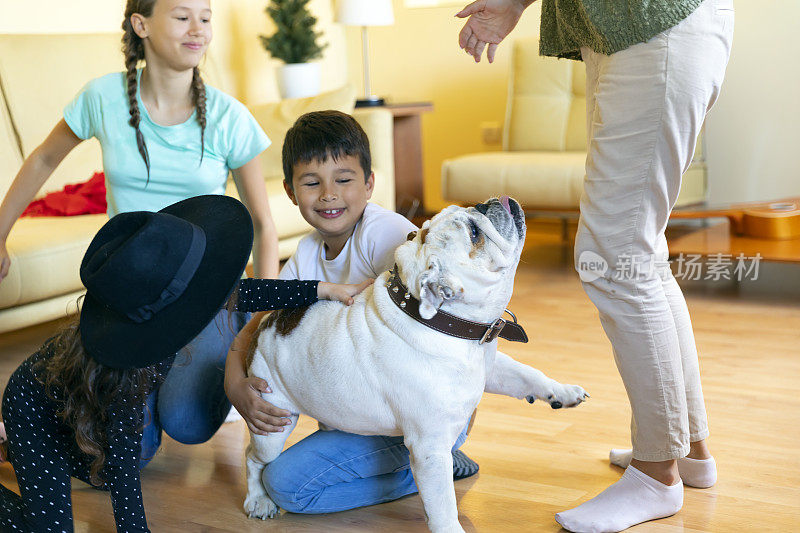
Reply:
x=474, y=232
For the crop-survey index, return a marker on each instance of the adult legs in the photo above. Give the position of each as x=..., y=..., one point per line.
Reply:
x=698, y=426
x=698, y=468
x=698, y=423
x=646, y=108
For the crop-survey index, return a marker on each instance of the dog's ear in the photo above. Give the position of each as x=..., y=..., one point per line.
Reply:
x=435, y=287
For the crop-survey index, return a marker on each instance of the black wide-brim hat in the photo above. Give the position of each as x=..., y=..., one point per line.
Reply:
x=128, y=261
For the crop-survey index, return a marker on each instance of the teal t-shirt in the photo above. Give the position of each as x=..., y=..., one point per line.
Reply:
x=232, y=138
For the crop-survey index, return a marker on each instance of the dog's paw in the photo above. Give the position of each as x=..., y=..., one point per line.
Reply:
x=260, y=506
x=561, y=396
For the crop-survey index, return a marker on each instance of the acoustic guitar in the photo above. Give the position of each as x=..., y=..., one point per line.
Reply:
x=779, y=219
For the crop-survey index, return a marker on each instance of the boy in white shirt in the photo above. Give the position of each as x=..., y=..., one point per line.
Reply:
x=367, y=253
x=328, y=175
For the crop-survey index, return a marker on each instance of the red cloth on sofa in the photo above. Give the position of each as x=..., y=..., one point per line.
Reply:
x=85, y=198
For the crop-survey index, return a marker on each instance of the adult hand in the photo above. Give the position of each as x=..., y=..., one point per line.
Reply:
x=5, y=261
x=341, y=292
x=489, y=22
x=261, y=416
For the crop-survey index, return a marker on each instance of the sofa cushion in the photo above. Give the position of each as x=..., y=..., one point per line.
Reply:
x=45, y=253
x=378, y=125
x=536, y=179
x=287, y=217
x=37, y=106
x=546, y=103
x=24, y=315
x=276, y=119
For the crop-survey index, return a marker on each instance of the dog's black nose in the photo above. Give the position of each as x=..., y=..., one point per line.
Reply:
x=482, y=208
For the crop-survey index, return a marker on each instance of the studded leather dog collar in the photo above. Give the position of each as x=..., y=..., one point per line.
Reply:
x=452, y=325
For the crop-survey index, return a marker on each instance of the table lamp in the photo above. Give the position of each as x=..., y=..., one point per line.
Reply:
x=365, y=13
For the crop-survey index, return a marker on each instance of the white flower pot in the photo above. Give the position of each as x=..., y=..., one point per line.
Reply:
x=298, y=80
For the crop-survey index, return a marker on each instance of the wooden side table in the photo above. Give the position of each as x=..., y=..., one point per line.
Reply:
x=408, y=170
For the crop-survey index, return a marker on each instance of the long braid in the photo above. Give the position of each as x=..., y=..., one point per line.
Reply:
x=133, y=49
x=199, y=101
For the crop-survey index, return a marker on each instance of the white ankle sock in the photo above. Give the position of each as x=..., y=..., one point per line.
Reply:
x=699, y=473
x=635, y=498
x=620, y=457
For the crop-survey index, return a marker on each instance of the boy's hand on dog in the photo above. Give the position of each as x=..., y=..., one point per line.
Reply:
x=341, y=292
x=261, y=416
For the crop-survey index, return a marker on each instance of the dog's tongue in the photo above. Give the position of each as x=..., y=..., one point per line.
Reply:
x=504, y=201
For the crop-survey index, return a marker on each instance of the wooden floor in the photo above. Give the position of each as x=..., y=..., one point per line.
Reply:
x=535, y=461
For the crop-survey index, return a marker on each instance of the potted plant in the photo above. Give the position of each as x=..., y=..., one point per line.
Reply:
x=295, y=43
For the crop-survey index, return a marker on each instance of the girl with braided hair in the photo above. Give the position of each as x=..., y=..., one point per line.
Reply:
x=165, y=137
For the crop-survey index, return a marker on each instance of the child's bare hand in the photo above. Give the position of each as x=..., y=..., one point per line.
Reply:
x=341, y=292
x=261, y=416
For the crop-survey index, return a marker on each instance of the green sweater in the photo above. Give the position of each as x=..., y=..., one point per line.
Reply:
x=606, y=26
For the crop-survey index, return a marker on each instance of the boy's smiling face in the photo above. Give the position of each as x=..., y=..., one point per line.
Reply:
x=332, y=196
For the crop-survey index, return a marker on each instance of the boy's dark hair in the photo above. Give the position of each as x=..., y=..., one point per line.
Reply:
x=322, y=134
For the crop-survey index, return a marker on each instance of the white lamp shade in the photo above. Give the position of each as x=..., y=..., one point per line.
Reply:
x=365, y=12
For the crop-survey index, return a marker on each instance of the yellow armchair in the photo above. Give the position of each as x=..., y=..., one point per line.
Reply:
x=544, y=143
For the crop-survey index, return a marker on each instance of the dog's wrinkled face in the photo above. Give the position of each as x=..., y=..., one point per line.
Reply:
x=465, y=258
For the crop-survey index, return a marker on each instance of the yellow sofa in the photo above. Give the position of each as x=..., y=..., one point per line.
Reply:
x=39, y=74
x=544, y=142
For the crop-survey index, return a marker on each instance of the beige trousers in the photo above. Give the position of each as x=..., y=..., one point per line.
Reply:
x=645, y=108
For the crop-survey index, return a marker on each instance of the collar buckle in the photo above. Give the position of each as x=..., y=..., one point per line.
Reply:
x=493, y=331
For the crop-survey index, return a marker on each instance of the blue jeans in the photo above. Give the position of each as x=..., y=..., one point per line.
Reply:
x=332, y=471
x=191, y=404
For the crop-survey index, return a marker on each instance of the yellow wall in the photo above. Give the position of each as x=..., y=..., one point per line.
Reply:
x=418, y=59
x=752, y=134
x=59, y=16
x=236, y=41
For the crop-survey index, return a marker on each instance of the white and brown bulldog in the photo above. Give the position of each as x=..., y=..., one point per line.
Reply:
x=373, y=369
